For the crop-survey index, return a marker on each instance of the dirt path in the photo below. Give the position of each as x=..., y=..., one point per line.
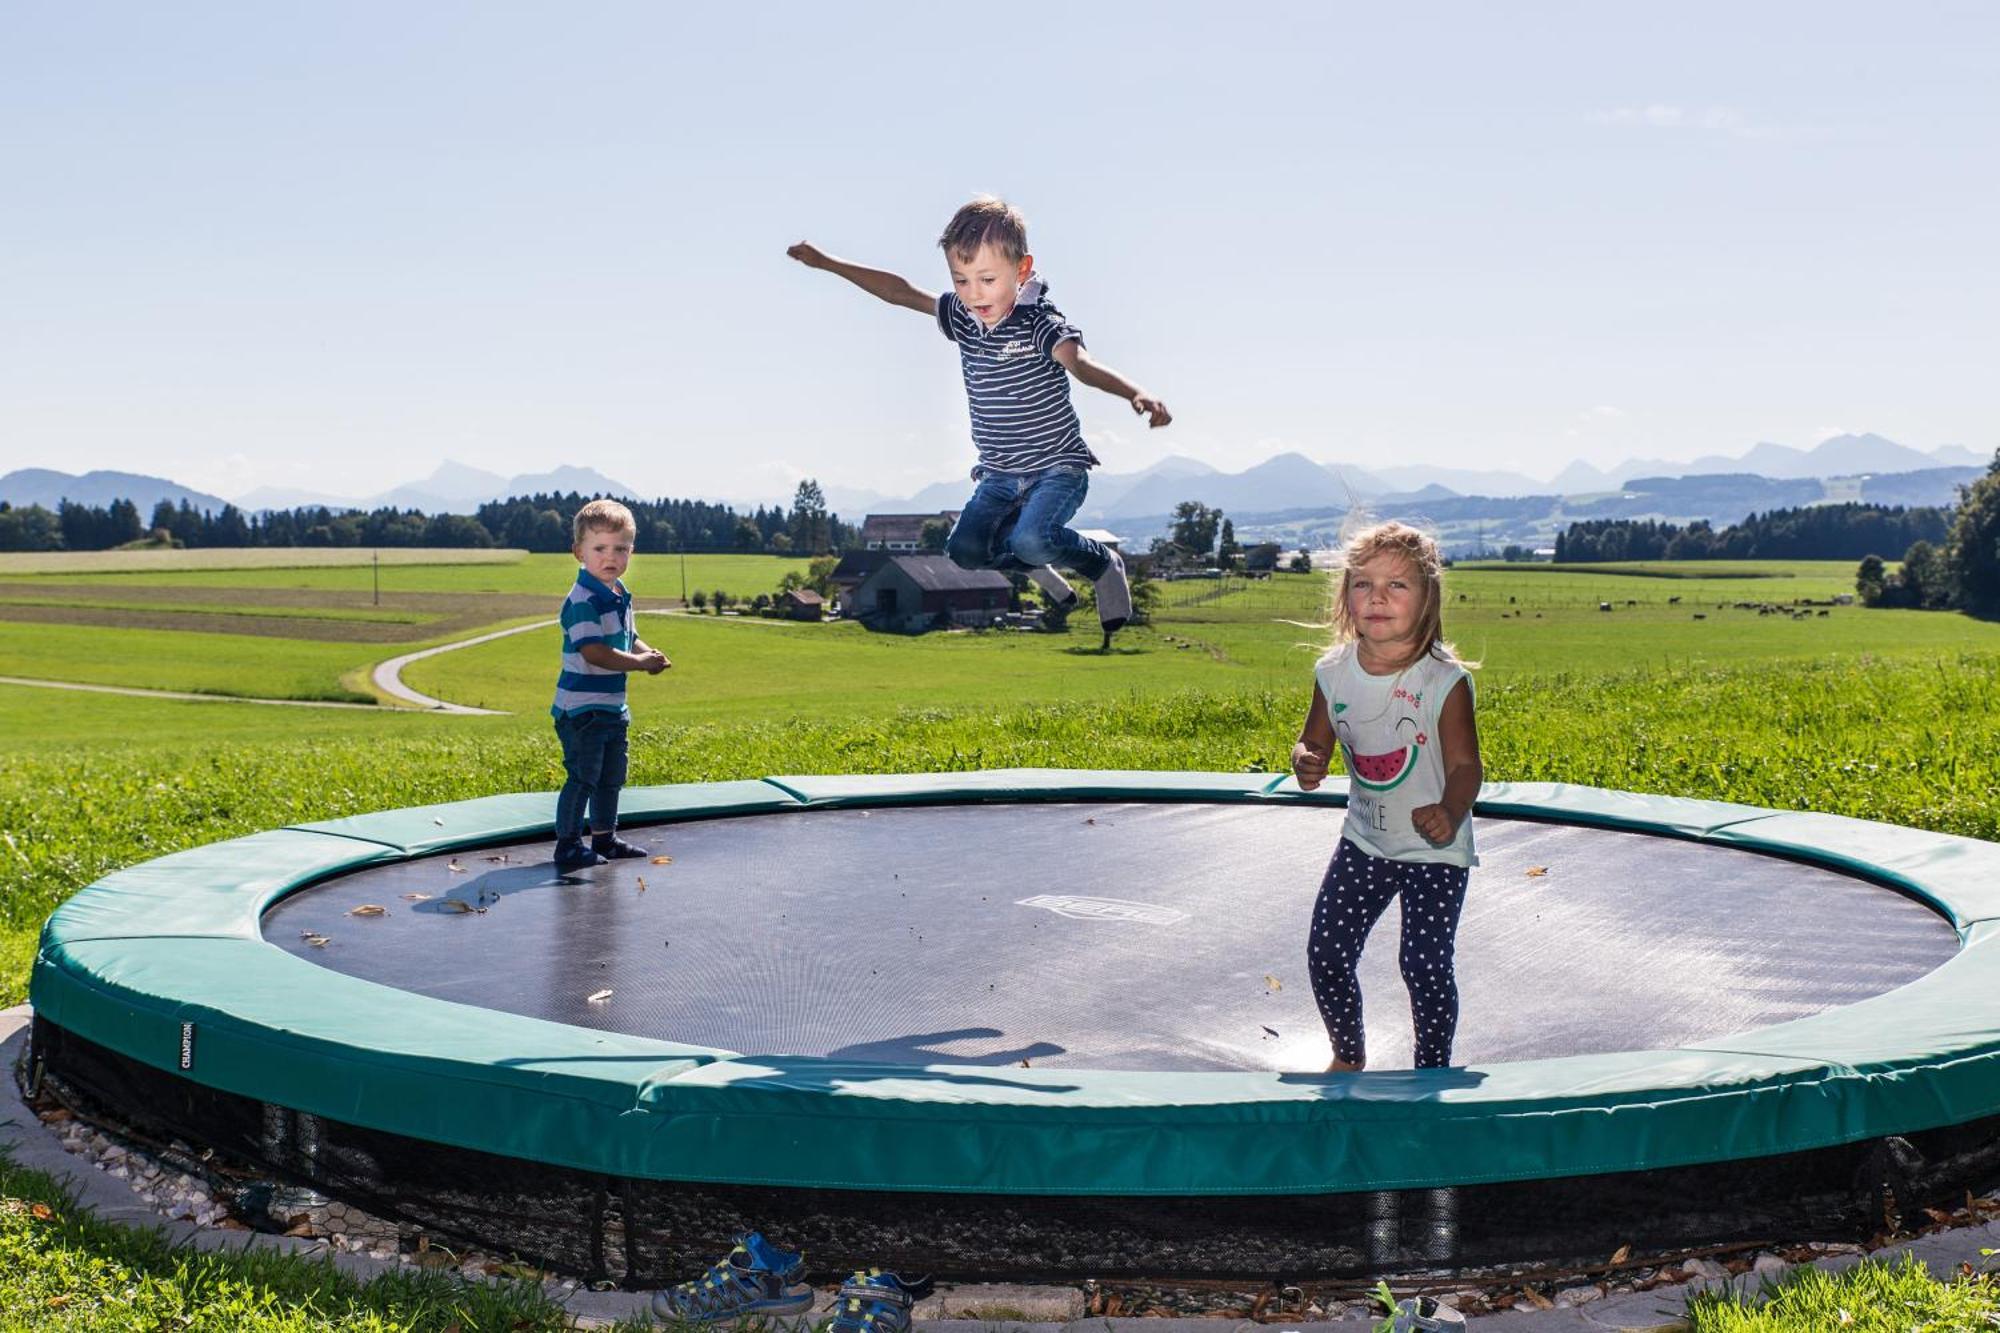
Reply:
x=388, y=676
x=139, y=693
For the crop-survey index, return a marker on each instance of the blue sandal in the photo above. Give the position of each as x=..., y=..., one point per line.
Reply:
x=755, y=1278
x=873, y=1301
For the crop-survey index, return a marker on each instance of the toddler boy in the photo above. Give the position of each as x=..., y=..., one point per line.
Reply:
x=600, y=645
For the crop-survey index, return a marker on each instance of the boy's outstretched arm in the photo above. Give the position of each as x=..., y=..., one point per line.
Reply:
x=1097, y=375
x=890, y=287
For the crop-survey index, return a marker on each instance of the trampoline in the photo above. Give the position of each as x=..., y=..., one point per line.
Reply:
x=1048, y=1024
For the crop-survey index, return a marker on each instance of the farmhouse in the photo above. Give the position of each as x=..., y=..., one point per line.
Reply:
x=1262, y=558
x=855, y=566
x=909, y=594
x=802, y=604
x=900, y=532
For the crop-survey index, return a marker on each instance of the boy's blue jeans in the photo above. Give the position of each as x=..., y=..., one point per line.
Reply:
x=1016, y=521
x=593, y=746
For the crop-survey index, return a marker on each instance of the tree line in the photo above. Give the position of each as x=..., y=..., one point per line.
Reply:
x=533, y=522
x=1961, y=572
x=1814, y=532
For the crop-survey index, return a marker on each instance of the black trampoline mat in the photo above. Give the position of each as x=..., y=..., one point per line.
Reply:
x=1109, y=936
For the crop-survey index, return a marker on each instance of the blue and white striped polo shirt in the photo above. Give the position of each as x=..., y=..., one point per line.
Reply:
x=1022, y=419
x=592, y=613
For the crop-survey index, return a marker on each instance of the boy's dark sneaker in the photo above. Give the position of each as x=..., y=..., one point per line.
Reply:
x=571, y=854
x=1114, y=595
x=873, y=1301
x=754, y=1278
x=611, y=847
x=1054, y=587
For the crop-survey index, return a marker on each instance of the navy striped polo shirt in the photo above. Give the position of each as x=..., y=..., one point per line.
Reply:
x=1022, y=419
x=592, y=613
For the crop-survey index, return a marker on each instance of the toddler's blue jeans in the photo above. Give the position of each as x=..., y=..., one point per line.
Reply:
x=593, y=746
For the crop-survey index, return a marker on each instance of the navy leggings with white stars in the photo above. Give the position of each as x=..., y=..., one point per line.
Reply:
x=1356, y=891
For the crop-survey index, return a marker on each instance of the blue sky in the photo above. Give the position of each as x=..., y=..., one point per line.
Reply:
x=335, y=244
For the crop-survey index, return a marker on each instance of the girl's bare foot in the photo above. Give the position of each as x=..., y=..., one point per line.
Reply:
x=1340, y=1066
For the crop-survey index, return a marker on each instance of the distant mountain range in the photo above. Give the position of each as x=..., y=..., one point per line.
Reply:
x=1293, y=485
x=49, y=488
x=1288, y=497
x=453, y=489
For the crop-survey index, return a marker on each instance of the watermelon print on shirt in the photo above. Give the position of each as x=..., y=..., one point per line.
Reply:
x=1387, y=729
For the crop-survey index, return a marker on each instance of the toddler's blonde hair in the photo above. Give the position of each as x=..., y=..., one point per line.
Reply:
x=601, y=514
x=1421, y=551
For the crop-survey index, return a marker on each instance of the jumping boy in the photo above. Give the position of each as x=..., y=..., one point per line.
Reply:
x=1017, y=352
x=600, y=646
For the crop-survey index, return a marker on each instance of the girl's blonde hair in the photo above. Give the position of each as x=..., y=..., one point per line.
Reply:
x=1423, y=555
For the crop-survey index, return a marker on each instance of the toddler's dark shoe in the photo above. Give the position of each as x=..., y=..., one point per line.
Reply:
x=873, y=1301
x=571, y=854
x=611, y=847
x=754, y=1278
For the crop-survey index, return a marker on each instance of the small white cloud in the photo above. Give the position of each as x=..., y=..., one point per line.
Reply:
x=1664, y=116
x=1602, y=412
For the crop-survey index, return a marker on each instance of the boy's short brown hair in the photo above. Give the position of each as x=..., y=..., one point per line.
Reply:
x=602, y=514
x=986, y=220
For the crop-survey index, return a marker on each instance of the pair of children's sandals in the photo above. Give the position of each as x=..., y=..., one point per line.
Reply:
x=757, y=1278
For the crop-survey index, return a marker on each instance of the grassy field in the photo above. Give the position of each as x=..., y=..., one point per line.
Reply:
x=241, y=558
x=179, y=660
x=105, y=782
x=1255, y=636
x=652, y=576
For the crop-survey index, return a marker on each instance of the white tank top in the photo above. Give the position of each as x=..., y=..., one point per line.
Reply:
x=1388, y=732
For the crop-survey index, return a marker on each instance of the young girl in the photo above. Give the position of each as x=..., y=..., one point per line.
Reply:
x=1399, y=702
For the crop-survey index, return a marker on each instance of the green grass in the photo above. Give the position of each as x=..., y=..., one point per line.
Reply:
x=168, y=561
x=652, y=575
x=733, y=667
x=162, y=659
x=1245, y=637
x=1911, y=742
x=63, y=1271
x=1813, y=573
x=1868, y=1298
x=301, y=612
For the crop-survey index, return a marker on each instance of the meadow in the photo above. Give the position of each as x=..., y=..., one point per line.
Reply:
x=652, y=576
x=1883, y=714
